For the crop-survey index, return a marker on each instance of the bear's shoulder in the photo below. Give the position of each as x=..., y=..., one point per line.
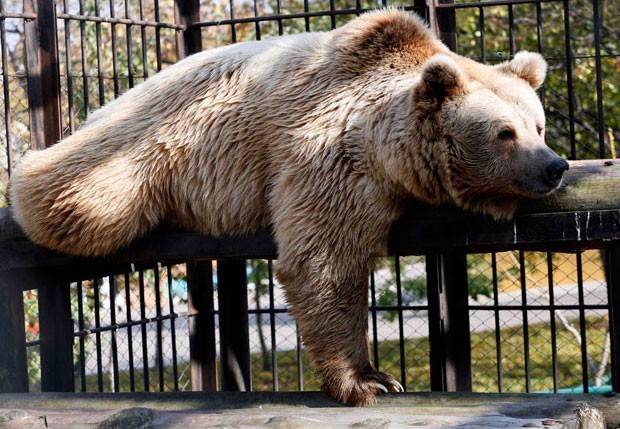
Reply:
x=386, y=34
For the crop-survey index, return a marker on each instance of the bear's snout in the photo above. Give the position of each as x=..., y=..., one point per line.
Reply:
x=555, y=170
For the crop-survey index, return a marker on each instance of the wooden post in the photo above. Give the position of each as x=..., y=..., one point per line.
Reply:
x=44, y=109
x=43, y=74
x=449, y=323
x=450, y=335
x=202, y=344
x=13, y=363
x=202, y=348
x=56, y=335
x=234, y=336
x=187, y=12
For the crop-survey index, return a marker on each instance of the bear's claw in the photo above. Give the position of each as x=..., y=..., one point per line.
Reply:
x=399, y=387
x=382, y=387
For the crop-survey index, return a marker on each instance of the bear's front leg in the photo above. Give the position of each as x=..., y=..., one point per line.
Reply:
x=329, y=300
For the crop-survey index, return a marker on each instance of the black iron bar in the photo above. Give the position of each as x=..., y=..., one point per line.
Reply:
x=498, y=339
x=143, y=330
x=401, y=328
x=582, y=324
x=173, y=336
x=113, y=335
x=554, y=345
x=272, y=326
x=526, y=333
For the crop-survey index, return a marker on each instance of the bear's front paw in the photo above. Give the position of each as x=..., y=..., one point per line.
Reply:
x=360, y=388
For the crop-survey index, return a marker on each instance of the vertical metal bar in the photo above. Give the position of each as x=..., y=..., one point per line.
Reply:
x=56, y=334
x=145, y=67
x=114, y=57
x=272, y=326
x=526, y=332
x=435, y=324
x=569, y=80
x=160, y=348
x=279, y=12
x=539, y=38
x=97, y=306
x=582, y=324
x=332, y=15
x=6, y=94
x=129, y=40
x=483, y=35
x=554, y=333
x=511, y=30
x=173, y=334
x=132, y=375
x=498, y=339
x=600, y=115
x=99, y=57
x=157, y=36
x=300, y=365
x=256, y=23
x=233, y=30
x=202, y=341
x=113, y=334
x=69, y=68
x=306, y=18
x=373, y=309
x=612, y=257
x=234, y=335
x=80, y=303
x=85, y=91
x=401, y=328
x=13, y=357
x=143, y=330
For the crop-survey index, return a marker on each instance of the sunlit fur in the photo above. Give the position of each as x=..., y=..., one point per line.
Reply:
x=319, y=136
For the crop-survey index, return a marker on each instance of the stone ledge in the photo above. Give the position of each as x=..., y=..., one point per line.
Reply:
x=305, y=410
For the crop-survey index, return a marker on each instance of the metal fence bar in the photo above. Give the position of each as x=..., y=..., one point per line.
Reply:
x=132, y=375
x=81, y=335
x=97, y=308
x=498, y=339
x=113, y=335
x=582, y=325
x=272, y=328
x=524, y=313
x=554, y=346
x=144, y=333
x=173, y=331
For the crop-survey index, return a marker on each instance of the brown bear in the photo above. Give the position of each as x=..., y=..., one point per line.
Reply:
x=320, y=136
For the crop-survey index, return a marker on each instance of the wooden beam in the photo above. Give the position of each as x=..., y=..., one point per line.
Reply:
x=583, y=214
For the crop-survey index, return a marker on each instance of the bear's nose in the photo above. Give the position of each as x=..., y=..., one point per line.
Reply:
x=556, y=169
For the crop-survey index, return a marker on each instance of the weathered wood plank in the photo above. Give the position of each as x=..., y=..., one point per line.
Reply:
x=585, y=213
x=313, y=409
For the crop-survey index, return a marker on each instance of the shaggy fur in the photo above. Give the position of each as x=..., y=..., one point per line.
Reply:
x=319, y=136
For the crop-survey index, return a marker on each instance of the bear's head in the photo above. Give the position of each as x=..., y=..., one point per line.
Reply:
x=489, y=125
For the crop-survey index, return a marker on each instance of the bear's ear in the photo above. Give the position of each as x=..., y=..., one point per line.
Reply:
x=441, y=79
x=529, y=66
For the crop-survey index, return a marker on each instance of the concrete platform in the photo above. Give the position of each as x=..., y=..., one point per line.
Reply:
x=194, y=410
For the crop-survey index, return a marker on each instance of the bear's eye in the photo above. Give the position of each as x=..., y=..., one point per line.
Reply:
x=540, y=130
x=507, y=134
